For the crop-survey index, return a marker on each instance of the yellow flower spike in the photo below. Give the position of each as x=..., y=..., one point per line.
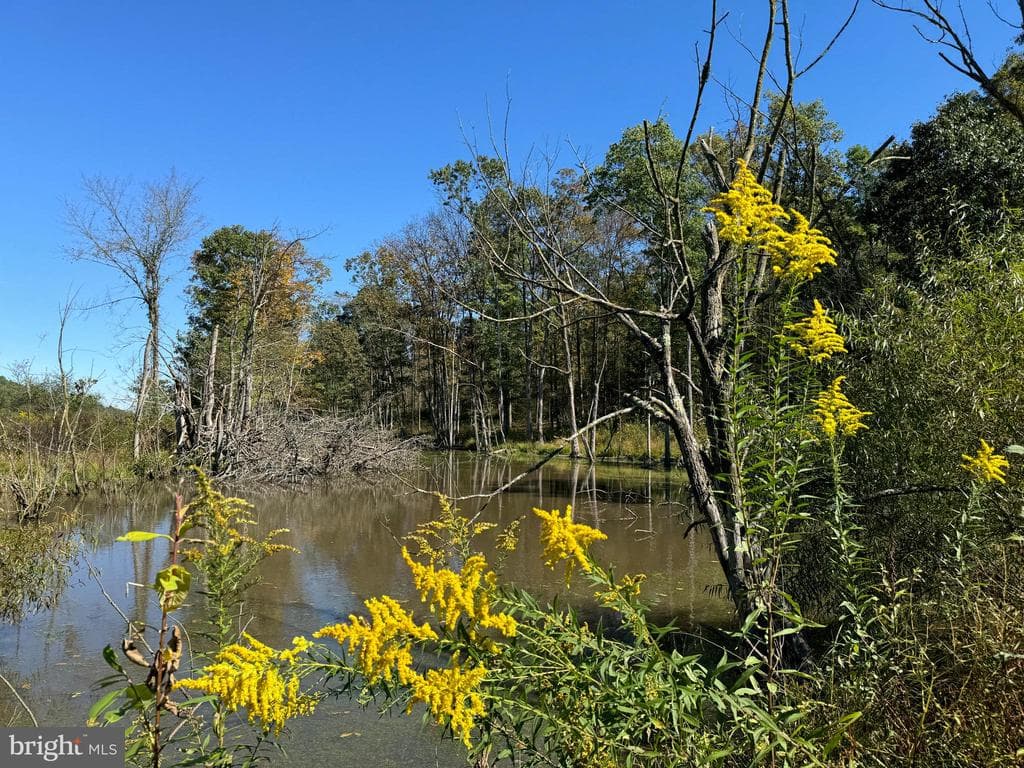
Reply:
x=384, y=642
x=836, y=414
x=816, y=336
x=565, y=540
x=452, y=694
x=299, y=645
x=452, y=595
x=746, y=215
x=800, y=254
x=627, y=588
x=986, y=466
x=250, y=678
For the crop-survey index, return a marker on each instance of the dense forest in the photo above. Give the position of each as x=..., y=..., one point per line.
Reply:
x=456, y=329
x=824, y=336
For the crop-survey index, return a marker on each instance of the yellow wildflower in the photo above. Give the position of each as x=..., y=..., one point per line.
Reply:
x=382, y=643
x=746, y=215
x=250, y=677
x=451, y=595
x=225, y=519
x=816, y=336
x=836, y=414
x=565, y=540
x=299, y=645
x=508, y=539
x=986, y=466
x=452, y=694
x=627, y=589
x=450, y=533
x=801, y=253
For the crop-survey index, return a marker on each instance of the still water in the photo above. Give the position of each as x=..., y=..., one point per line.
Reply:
x=349, y=552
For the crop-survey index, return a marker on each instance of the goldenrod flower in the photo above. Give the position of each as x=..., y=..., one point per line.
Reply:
x=250, y=678
x=986, y=466
x=451, y=595
x=383, y=643
x=225, y=519
x=299, y=645
x=565, y=540
x=801, y=253
x=746, y=215
x=836, y=414
x=816, y=336
x=452, y=694
x=627, y=588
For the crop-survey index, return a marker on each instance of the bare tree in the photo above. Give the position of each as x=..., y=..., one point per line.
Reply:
x=137, y=233
x=708, y=299
x=952, y=35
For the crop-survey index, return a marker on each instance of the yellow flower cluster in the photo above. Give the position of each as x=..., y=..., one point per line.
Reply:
x=746, y=215
x=451, y=595
x=452, y=693
x=836, y=414
x=565, y=540
x=249, y=677
x=816, y=336
x=384, y=647
x=986, y=466
x=299, y=645
x=223, y=517
x=382, y=643
x=801, y=253
x=627, y=588
x=451, y=532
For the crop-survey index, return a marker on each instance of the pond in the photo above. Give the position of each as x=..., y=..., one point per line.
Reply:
x=349, y=551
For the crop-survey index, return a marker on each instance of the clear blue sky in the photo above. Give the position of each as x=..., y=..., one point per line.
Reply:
x=330, y=114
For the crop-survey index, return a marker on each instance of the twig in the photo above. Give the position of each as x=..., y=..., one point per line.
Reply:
x=534, y=467
x=94, y=575
x=890, y=493
x=20, y=700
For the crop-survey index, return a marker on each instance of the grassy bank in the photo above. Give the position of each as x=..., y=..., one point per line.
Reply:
x=627, y=444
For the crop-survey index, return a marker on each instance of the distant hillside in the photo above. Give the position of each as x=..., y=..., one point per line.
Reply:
x=39, y=395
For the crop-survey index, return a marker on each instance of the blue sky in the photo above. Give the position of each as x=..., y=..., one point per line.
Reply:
x=329, y=115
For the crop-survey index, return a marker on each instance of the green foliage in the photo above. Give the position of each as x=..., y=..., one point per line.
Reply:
x=35, y=561
x=963, y=178
x=224, y=560
x=936, y=363
x=556, y=688
x=339, y=374
x=227, y=556
x=624, y=178
x=236, y=269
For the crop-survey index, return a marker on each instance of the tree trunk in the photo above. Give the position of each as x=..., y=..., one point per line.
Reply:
x=206, y=420
x=570, y=380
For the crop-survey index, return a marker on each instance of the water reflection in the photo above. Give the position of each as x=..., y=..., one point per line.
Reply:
x=349, y=541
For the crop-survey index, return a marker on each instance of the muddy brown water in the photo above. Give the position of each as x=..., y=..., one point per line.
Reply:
x=347, y=537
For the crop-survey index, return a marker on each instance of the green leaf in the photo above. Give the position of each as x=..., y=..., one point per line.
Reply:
x=844, y=724
x=103, y=704
x=198, y=700
x=134, y=536
x=113, y=716
x=111, y=658
x=138, y=694
x=172, y=584
x=134, y=749
x=1015, y=449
